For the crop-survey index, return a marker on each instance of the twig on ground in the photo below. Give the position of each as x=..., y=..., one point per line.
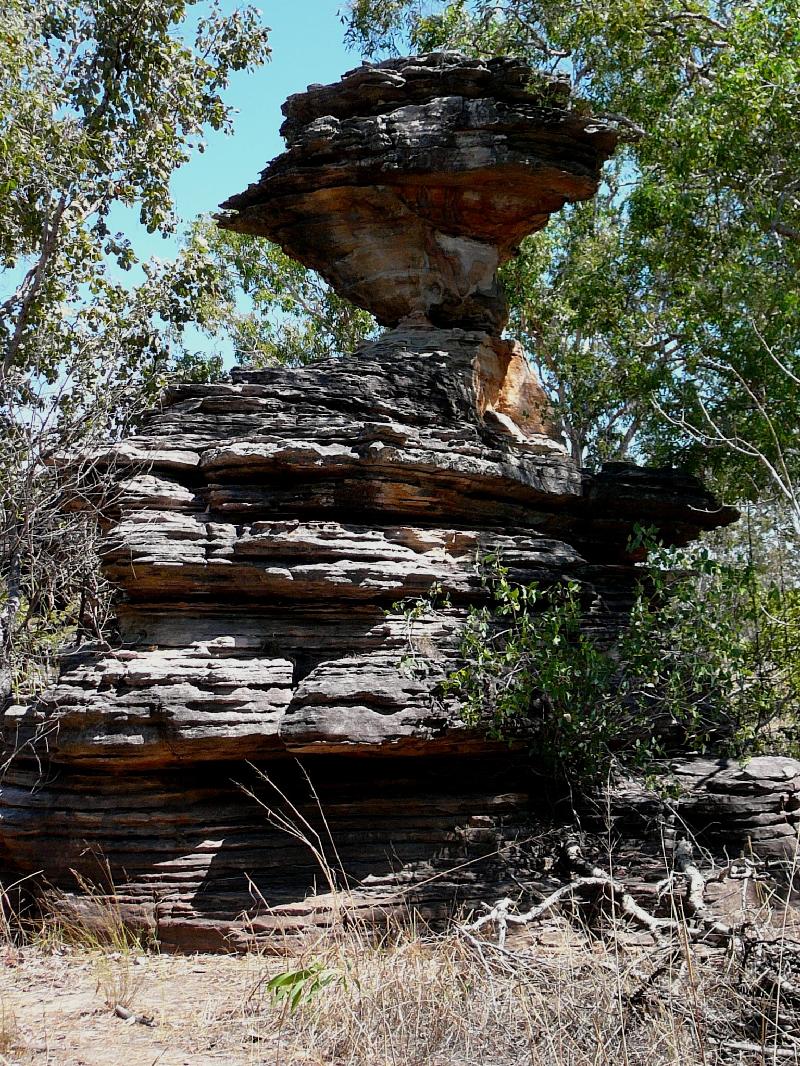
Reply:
x=131, y=1018
x=594, y=877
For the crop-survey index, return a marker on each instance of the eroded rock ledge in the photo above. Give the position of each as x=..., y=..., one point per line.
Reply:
x=267, y=527
x=409, y=182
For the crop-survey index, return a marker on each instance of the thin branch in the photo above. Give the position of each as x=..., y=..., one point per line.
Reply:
x=33, y=282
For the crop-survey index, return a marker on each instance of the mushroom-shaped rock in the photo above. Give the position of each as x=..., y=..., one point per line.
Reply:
x=266, y=528
x=408, y=183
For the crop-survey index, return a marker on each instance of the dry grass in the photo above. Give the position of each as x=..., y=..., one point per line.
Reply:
x=583, y=1002
x=558, y=994
x=419, y=1000
x=94, y=929
x=9, y=1032
x=411, y=998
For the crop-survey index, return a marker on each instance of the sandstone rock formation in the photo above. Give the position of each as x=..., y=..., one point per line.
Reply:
x=409, y=182
x=266, y=529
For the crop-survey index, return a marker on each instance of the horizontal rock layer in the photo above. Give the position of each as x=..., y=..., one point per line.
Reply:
x=279, y=523
x=375, y=88
x=195, y=859
x=750, y=807
x=264, y=532
x=409, y=182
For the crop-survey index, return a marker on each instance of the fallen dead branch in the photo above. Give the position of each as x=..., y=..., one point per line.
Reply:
x=131, y=1018
x=697, y=922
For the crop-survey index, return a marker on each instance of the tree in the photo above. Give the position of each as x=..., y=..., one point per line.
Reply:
x=273, y=309
x=100, y=101
x=708, y=664
x=665, y=316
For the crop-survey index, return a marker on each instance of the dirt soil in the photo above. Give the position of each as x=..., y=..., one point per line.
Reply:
x=203, y=1010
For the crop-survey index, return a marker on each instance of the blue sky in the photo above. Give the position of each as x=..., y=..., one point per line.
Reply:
x=307, y=46
x=307, y=41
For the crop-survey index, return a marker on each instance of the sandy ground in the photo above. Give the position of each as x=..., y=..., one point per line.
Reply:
x=204, y=1010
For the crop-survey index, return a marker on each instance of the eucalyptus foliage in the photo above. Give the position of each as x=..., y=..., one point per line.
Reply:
x=272, y=308
x=100, y=101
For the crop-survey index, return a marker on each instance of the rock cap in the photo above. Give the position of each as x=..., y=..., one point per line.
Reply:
x=408, y=183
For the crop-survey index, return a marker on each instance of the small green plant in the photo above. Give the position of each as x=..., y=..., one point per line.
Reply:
x=414, y=609
x=293, y=988
x=703, y=664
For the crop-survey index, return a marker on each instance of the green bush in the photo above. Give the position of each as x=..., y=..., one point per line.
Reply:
x=707, y=663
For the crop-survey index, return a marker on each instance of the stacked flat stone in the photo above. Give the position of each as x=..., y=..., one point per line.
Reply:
x=409, y=182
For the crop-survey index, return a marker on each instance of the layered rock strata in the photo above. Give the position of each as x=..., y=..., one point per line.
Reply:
x=268, y=531
x=409, y=182
x=271, y=527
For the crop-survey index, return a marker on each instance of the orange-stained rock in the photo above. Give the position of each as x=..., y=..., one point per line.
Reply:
x=409, y=182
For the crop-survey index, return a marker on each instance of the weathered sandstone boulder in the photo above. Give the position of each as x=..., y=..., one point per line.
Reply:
x=410, y=181
x=269, y=529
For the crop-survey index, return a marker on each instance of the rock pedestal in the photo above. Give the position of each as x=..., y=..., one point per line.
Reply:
x=268, y=530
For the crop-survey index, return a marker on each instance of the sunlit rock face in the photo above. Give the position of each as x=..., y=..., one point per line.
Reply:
x=409, y=182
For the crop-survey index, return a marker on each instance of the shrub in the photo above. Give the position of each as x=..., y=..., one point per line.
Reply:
x=706, y=663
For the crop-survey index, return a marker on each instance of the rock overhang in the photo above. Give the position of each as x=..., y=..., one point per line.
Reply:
x=409, y=183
